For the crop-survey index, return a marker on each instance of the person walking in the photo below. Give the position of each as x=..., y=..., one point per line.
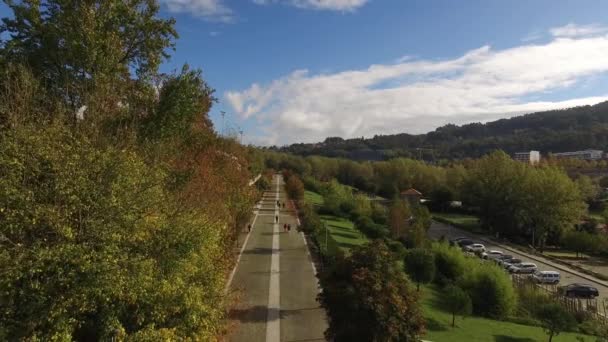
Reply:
x=289, y=227
x=276, y=219
x=285, y=227
x=248, y=228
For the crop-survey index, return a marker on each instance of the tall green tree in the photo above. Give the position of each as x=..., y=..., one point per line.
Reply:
x=80, y=48
x=420, y=266
x=399, y=216
x=457, y=302
x=368, y=298
x=555, y=319
x=184, y=103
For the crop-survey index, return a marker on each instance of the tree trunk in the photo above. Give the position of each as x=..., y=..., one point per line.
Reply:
x=550, y=336
x=418, y=287
x=454, y=320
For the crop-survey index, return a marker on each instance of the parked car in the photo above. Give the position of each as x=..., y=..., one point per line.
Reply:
x=491, y=254
x=546, y=277
x=454, y=242
x=500, y=259
x=465, y=242
x=523, y=268
x=579, y=291
x=475, y=248
x=511, y=262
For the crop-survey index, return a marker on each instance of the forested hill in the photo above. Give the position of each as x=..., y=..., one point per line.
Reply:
x=551, y=131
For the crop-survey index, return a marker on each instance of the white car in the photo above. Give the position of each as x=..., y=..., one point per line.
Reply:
x=546, y=277
x=511, y=262
x=491, y=254
x=524, y=268
x=476, y=247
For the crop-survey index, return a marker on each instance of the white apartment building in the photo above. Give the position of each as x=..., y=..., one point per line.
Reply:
x=530, y=157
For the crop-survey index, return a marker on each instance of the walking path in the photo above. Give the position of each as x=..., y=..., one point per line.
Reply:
x=276, y=280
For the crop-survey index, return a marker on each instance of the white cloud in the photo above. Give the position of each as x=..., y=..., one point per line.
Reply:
x=574, y=31
x=333, y=5
x=212, y=10
x=418, y=95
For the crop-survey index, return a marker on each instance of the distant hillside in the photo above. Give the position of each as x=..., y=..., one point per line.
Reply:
x=551, y=131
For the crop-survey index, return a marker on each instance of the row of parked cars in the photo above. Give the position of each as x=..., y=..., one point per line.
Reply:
x=517, y=266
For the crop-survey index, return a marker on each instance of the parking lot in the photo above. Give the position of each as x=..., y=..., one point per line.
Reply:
x=567, y=277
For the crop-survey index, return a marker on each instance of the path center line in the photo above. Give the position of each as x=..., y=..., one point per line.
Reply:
x=273, y=317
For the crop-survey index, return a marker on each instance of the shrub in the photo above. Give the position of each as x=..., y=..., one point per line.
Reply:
x=449, y=263
x=490, y=288
x=370, y=229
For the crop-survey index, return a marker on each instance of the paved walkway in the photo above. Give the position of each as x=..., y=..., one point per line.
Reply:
x=276, y=280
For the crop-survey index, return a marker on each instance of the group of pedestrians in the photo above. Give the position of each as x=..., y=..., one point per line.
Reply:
x=287, y=227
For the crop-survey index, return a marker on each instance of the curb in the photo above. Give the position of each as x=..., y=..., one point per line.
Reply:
x=546, y=261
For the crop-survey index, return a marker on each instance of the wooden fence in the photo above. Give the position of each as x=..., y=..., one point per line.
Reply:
x=597, y=309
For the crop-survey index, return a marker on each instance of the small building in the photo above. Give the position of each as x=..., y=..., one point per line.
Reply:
x=585, y=155
x=530, y=157
x=412, y=195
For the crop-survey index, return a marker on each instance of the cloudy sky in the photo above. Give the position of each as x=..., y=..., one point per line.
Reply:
x=301, y=70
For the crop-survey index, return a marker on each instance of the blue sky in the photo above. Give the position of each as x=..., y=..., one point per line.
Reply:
x=300, y=70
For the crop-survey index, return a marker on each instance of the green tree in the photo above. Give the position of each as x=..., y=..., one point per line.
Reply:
x=184, y=102
x=450, y=263
x=80, y=48
x=456, y=301
x=93, y=243
x=399, y=216
x=589, y=190
x=555, y=319
x=420, y=266
x=578, y=242
x=368, y=298
x=552, y=204
x=490, y=288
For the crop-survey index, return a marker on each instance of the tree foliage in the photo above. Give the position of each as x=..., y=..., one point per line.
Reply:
x=93, y=243
x=555, y=319
x=456, y=301
x=368, y=298
x=77, y=49
x=420, y=265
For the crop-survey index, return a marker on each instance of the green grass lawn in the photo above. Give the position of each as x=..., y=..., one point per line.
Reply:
x=467, y=222
x=439, y=327
x=313, y=198
x=343, y=231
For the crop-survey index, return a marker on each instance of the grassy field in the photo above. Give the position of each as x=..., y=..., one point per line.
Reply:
x=313, y=198
x=439, y=328
x=467, y=222
x=343, y=231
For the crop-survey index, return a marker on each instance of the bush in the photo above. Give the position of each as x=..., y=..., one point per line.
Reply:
x=490, y=288
x=449, y=263
x=370, y=229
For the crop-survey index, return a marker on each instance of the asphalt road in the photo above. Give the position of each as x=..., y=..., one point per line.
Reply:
x=567, y=277
x=275, y=280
